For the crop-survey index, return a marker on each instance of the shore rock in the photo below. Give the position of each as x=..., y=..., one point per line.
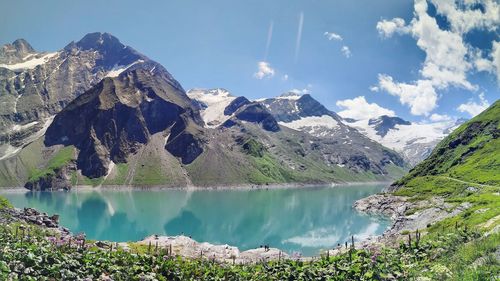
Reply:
x=406, y=215
x=187, y=247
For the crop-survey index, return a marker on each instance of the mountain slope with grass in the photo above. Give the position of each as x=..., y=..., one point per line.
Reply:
x=471, y=153
x=457, y=188
x=463, y=169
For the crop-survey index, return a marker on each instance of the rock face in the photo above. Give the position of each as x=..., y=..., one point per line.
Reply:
x=236, y=104
x=423, y=213
x=16, y=52
x=34, y=86
x=291, y=106
x=187, y=247
x=119, y=115
x=254, y=113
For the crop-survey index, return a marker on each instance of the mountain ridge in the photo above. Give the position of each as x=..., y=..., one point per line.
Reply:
x=137, y=126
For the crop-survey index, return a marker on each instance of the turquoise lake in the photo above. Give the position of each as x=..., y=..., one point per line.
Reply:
x=303, y=220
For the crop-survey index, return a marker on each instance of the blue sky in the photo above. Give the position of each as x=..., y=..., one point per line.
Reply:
x=210, y=44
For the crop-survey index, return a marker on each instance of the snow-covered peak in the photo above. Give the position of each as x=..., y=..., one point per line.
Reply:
x=413, y=140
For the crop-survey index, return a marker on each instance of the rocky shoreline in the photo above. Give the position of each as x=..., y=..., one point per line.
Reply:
x=406, y=215
x=187, y=247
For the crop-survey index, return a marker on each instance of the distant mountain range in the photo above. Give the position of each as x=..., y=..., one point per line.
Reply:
x=98, y=112
x=414, y=141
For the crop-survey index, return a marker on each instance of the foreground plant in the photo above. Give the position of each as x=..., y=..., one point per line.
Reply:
x=38, y=255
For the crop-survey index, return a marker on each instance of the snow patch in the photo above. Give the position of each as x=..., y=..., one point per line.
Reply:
x=9, y=151
x=403, y=135
x=312, y=122
x=216, y=101
x=16, y=127
x=30, y=64
x=118, y=69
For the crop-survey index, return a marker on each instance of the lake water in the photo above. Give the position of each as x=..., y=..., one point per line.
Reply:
x=303, y=220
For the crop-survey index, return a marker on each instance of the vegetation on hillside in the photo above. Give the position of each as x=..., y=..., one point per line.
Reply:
x=61, y=158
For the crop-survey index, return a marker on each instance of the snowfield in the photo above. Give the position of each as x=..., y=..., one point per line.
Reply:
x=30, y=64
x=118, y=69
x=216, y=101
x=312, y=122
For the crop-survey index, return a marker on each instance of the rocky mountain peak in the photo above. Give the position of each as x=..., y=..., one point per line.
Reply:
x=111, y=51
x=23, y=46
x=385, y=123
x=120, y=114
x=292, y=106
x=15, y=52
x=99, y=41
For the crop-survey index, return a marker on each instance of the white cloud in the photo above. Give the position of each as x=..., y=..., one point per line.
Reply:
x=346, y=51
x=333, y=36
x=284, y=77
x=358, y=108
x=474, y=108
x=445, y=62
x=420, y=96
x=448, y=58
x=439, y=118
x=264, y=70
x=495, y=56
x=386, y=28
x=304, y=91
x=299, y=37
x=463, y=18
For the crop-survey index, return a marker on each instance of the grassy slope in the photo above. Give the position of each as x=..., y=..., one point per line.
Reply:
x=464, y=167
x=58, y=160
x=32, y=162
x=470, y=153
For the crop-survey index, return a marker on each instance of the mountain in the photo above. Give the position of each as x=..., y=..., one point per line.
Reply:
x=100, y=113
x=34, y=86
x=471, y=153
x=339, y=144
x=414, y=141
x=140, y=128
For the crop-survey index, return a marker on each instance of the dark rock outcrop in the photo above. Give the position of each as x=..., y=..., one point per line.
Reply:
x=120, y=114
x=385, y=123
x=254, y=113
x=235, y=105
x=289, y=107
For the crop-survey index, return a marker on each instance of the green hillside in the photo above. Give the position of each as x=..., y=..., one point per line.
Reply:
x=471, y=153
x=463, y=168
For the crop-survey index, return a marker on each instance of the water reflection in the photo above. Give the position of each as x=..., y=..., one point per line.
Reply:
x=304, y=220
